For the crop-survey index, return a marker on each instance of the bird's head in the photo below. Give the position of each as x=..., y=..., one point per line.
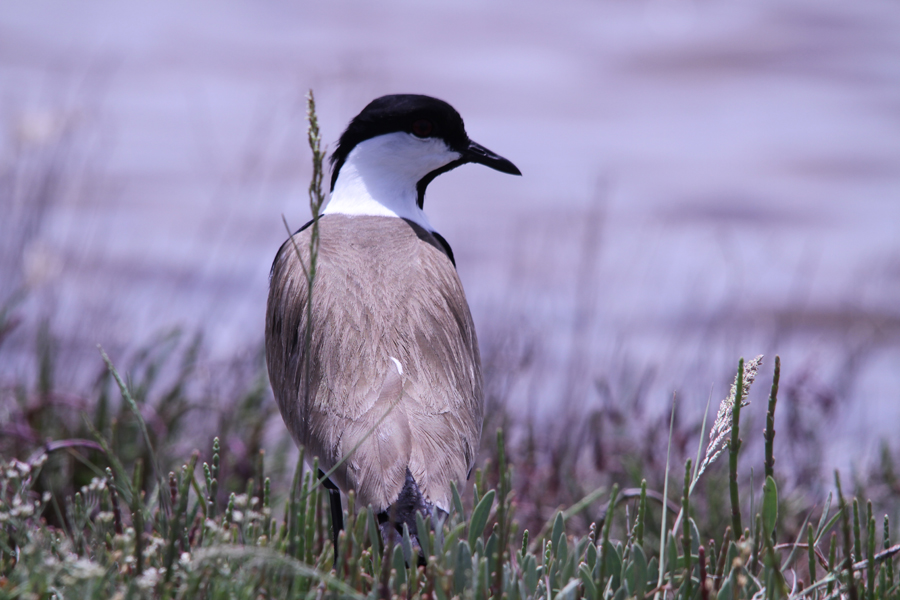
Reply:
x=398, y=144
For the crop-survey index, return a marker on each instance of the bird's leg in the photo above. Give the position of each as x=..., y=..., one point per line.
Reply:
x=392, y=532
x=337, y=513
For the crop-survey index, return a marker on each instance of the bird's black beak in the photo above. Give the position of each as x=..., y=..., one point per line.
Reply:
x=477, y=153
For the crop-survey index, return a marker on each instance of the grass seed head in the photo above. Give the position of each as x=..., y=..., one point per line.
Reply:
x=721, y=429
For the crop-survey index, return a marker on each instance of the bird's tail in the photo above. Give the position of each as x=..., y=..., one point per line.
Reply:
x=403, y=512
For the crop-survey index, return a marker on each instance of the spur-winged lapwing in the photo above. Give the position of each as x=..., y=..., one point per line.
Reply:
x=393, y=384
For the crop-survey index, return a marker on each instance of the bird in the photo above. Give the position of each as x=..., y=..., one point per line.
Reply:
x=378, y=375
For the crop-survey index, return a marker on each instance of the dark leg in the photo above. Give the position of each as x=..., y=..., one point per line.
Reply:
x=337, y=513
x=393, y=533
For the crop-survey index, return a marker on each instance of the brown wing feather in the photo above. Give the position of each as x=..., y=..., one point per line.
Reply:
x=384, y=289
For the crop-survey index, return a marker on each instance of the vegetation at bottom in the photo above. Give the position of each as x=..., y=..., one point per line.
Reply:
x=137, y=532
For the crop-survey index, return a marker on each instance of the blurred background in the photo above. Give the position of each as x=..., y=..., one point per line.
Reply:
x=702, y=181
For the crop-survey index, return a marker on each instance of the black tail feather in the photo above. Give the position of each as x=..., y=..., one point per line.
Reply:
x=402, y=512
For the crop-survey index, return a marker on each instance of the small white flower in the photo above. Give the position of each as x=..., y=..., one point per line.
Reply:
x=85, y=568
x=155, y=544
x=240, y=500
x=252, y=515
x=148, y=579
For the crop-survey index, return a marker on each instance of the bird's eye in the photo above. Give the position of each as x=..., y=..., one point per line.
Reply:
x=422, y=128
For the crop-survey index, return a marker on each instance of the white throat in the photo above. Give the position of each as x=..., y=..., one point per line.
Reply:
x=379, y=176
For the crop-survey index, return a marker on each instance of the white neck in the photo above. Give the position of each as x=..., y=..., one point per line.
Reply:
x=379, y=176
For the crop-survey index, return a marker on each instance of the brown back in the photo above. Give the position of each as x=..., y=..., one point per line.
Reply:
x=384, y=288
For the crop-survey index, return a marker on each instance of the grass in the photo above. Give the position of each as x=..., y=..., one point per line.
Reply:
x=135, y=532
x=103, y=497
